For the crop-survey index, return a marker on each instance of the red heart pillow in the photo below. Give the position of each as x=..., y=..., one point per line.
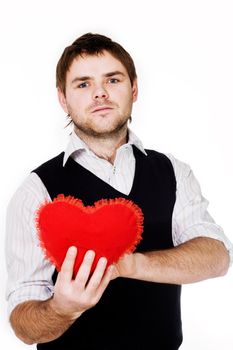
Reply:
x=109, y=227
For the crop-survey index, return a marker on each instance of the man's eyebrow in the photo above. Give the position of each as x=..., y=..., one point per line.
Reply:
x=80, y=79
x=86, y=77
x=116, y=72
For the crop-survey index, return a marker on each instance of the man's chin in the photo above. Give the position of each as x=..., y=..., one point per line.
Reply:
x=101, y=132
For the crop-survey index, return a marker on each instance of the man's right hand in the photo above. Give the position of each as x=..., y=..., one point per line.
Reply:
x=74, y=296
x=39, y=321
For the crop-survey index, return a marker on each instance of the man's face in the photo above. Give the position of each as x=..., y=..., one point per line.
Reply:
x=99, y=94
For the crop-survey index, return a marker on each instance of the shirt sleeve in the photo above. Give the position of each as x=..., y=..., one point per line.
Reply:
x=190, y=216
x=29, y=274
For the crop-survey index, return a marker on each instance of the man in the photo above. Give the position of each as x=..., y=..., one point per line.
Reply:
x=134, y=304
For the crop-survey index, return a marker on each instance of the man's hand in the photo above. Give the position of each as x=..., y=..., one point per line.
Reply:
x=74, y=296
x=126, y=266
x=39, y=321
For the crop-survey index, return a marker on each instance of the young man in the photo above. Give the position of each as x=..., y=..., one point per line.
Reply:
x=134, y=304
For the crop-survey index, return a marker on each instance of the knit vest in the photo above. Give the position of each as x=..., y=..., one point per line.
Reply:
x=131, y=314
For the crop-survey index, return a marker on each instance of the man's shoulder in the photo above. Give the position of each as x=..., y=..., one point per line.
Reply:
x=162, y=161
x=52, y=163
x=181, y=169
x=156, y=155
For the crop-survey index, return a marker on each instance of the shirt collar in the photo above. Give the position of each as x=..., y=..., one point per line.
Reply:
x=76, y=144
x=134, y=140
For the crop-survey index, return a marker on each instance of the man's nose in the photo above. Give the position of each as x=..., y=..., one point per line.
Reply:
x=100, y=93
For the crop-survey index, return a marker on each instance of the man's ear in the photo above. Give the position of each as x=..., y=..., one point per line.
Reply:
x=62, y=100
x=135, y=90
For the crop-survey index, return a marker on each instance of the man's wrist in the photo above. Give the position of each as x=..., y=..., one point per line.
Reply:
x=62, y=314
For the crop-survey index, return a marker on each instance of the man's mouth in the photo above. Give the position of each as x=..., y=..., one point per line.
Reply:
x=101, y=109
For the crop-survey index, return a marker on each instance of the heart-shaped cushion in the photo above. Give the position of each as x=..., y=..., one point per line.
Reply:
x=110, y=227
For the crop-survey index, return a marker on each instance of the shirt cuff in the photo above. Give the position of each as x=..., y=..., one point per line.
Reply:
x=209, y=230
x=26, y=293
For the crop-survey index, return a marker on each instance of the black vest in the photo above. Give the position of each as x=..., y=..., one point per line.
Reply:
x=131, y=314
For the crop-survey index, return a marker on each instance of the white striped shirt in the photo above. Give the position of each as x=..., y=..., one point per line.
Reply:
x=30, y=274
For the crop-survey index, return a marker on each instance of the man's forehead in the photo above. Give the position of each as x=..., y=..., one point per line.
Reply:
x=103, y=60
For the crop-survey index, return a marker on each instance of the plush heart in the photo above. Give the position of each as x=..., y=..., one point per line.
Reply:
x=110, y=227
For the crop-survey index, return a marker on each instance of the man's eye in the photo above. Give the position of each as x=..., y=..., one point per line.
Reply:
x=83, y=85
x=113, y=81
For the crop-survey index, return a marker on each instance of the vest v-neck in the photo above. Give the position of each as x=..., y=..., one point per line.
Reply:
x=73, y=163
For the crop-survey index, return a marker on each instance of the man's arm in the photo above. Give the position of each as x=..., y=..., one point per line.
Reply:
x=196, y=260
x=42, y=321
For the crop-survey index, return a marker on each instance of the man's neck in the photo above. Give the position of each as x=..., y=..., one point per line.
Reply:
x=104, y=147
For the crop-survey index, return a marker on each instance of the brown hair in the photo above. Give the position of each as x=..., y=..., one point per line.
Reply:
x=92, y=44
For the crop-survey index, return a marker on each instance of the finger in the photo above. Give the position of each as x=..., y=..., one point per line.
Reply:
x=105, y=281
x=85, y=268
x=66, y=273
x=97, y=275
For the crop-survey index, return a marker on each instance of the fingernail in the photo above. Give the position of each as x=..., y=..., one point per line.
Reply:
x=90, y=254
x=72, y=250
x=103, y=261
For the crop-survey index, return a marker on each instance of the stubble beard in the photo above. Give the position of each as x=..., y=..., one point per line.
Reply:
x=89, y=130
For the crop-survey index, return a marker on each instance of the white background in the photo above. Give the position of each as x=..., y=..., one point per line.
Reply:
x=183, y=54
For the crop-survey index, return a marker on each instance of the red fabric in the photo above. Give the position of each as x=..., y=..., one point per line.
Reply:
x=109, y=227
